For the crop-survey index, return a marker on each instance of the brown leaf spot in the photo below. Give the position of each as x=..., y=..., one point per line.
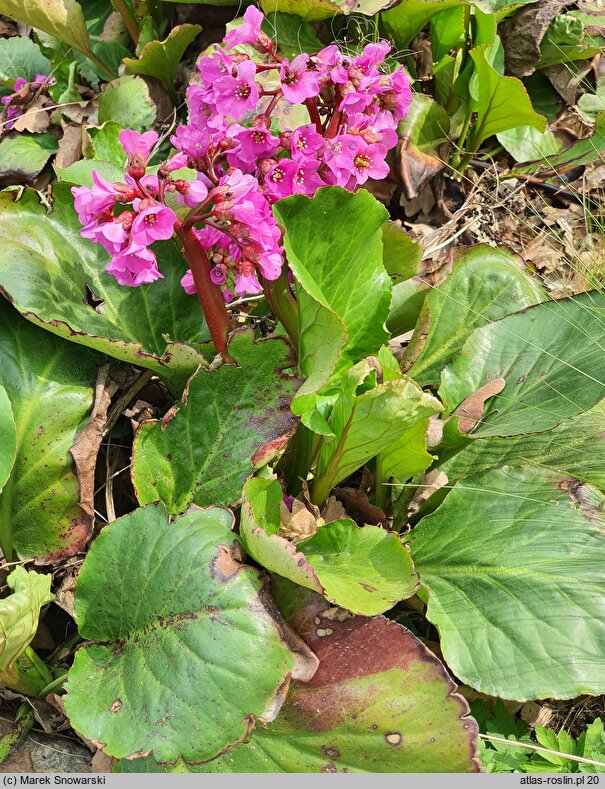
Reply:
x=331, y=753
x=224, y=566
x=329, y=768
x=367, y=587
x=470, y=411
x=116, y=706
x=394, y=738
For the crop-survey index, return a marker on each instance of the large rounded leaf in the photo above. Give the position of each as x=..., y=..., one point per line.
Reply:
x=50, y=384
x=513, y=560
x=551, y=357
x=230, y=421
x=486, y=284
x=365, y=570
x=379, y=702
x=58, y=280
x=189, y=655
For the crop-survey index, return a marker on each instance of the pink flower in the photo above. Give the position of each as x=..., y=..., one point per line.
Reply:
x=400, y=97
x=246, y=280
x=270, y=264
x=218, y=274
x=338, y=156
x=112, y=235
x=192, y=193
x=306, y=179
x=297, y=82
x=255, y=143
x=137, y=146
x=90, y=202
x=188, y=283
x=153, y=223
x=178, y=161
x=280, y=178
x=305, y=141
x=248, y=32
x=369, y=161
x=135, y=265
x=235, y=95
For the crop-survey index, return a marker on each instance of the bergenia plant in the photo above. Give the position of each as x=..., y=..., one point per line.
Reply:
x=246, y=159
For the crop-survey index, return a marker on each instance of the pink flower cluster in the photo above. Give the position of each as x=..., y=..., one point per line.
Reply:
x=246, y=161
x=353, y=106
x=15, y=104
x=127, y=217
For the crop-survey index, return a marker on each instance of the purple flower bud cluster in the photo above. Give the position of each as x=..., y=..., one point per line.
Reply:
x=246, y=159
x=15, y=104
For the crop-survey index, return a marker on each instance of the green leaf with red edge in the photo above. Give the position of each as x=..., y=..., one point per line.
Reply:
x=364, y=569
x=50, y=384
x=57, y=279
x=186, y=654
x=380, y=701
x=229, y=422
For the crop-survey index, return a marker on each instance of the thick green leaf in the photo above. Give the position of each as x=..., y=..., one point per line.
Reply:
x=365, y=424
x=406, y=302
x=106, y=145
x=575, y=447
x=409, y=17
x=188, y=653
x=379, y=702
x=315, y=10
x=407, y=456
x=20, y=611
x=293, y=35
x=486, y=284
x=513, y=560
x=566, y=41
x=50, y=384
x=501, y=103
x=365, y=570
x=551, y=358
x=160, y=59
x=230, y=421
x=126, y=101
x=8, y=437
x=526, y=144
x=19, y=619
x=49, y=272
x=400, y=255
x=60, y=18
x=21, y=57
x=23, y=156
x=344, y=290
x=583, y=151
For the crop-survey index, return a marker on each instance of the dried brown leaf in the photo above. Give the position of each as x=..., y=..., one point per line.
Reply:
x=470, y=411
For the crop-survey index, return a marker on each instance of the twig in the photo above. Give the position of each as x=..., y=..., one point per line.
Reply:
x=539, y=748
